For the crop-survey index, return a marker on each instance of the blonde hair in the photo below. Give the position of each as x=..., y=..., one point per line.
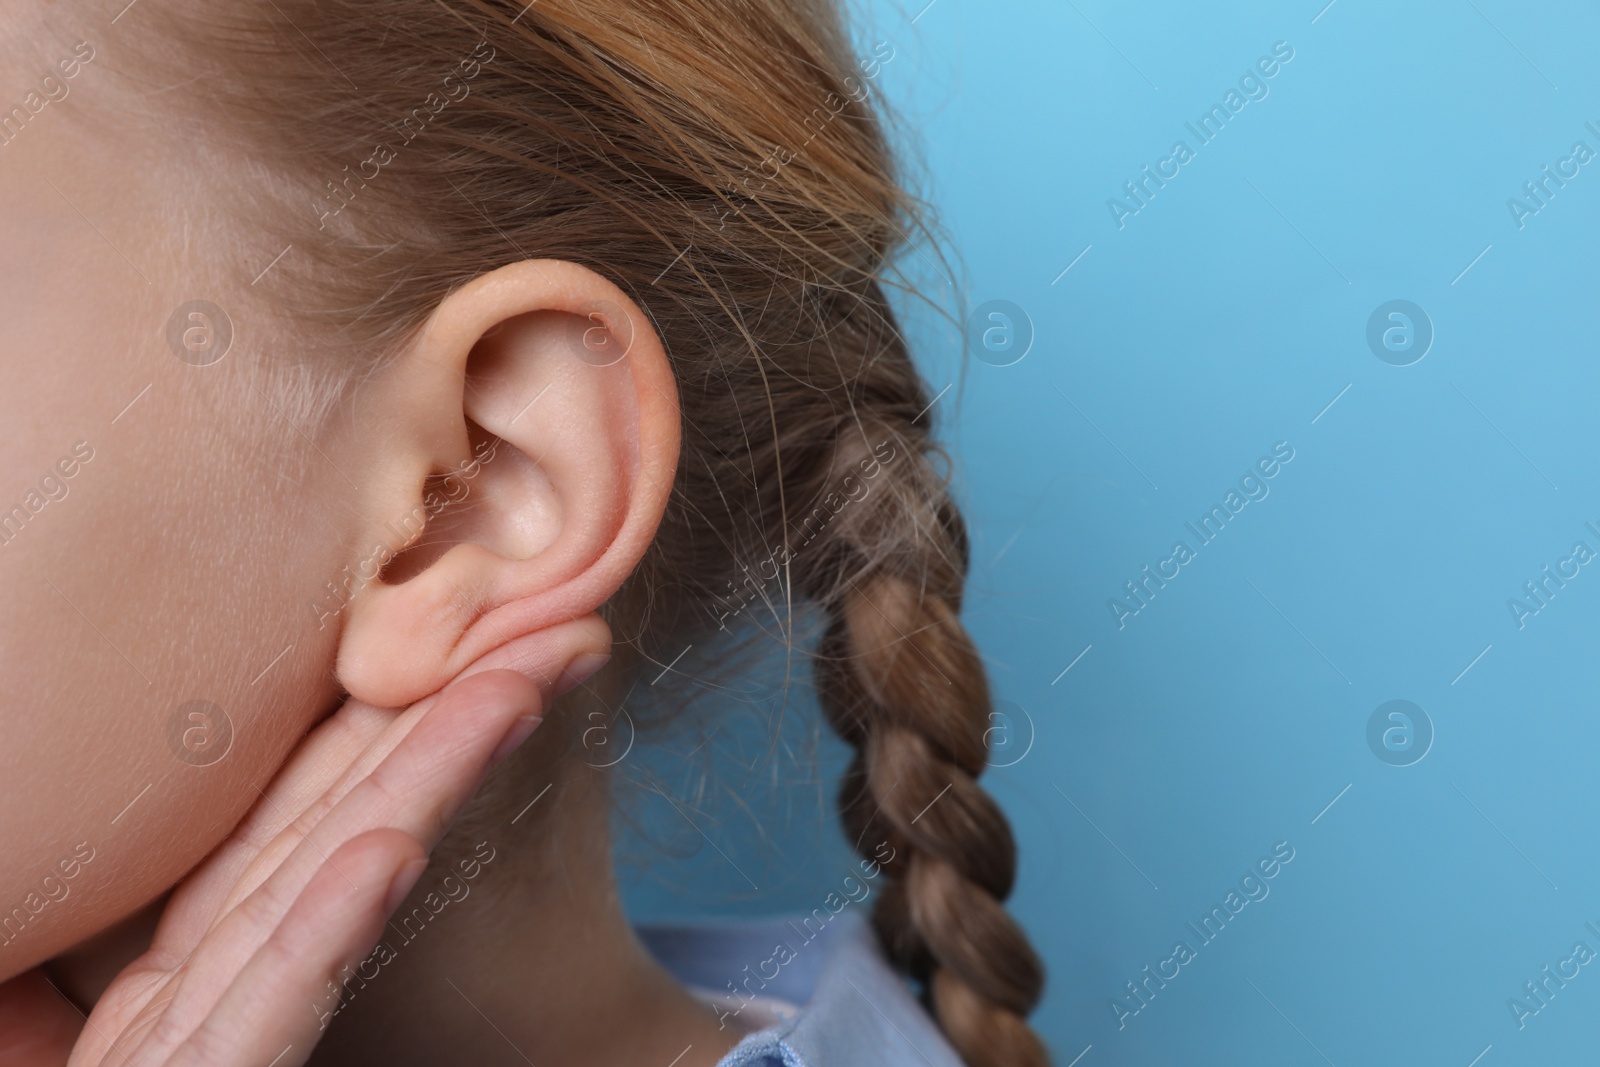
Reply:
x=721, y=161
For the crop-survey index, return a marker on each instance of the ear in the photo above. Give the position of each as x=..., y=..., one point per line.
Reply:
x=521, y=451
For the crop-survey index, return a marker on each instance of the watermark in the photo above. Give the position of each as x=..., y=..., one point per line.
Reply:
x=1140, y=591
x=1009, y=736
x=854, y=490
x=199, y=333
x=742, y=991
x=1399, y=333
x=602, y=335
x=343, y=987
x=1252, y=86
x=1252, y=888
x=52, y=488
x=1399, y=733
x=601, y=736
x=1538, y=994
x=341, y=193
x=53, y=888
x=453, y=487
x=52, y=89
x=1538, y=192
x=199, y=733
x=999, y=332
x=1538, y=592
x=781, y=155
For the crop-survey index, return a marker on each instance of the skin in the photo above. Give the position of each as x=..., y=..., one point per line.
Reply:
x=103, y=639
x=187, y=560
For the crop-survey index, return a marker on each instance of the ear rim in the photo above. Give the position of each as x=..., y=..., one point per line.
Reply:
x=371, y=668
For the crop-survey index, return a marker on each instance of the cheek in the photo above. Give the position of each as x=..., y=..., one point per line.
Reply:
x=161, y=656
x=178, y=573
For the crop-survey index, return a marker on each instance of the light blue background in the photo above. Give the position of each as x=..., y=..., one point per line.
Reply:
x=1228, y=714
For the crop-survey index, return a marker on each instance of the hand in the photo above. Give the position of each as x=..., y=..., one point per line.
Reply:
x=239, y=970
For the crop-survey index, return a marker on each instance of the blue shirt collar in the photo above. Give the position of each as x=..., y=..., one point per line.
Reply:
x=854, y=1009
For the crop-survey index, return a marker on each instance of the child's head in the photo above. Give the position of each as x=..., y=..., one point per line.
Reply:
x=375, y=334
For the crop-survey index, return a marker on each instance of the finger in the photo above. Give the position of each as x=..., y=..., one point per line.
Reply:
x=436, y=757
x=277, y=1008
x=259, y=842
x=544, y=657
x=417, y=788
x=338, y=753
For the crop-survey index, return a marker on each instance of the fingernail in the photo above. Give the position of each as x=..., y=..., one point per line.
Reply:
x=519, y=732
x=580, y=670
x=404, y=879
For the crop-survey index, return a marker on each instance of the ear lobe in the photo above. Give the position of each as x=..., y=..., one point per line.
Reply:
x=533, y=430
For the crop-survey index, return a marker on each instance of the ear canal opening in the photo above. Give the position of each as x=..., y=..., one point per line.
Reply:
x=434, y=522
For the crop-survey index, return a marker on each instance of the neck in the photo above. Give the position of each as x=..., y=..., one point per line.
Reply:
x=514, y=948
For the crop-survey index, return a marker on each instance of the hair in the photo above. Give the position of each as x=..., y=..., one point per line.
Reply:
x=722, y=162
